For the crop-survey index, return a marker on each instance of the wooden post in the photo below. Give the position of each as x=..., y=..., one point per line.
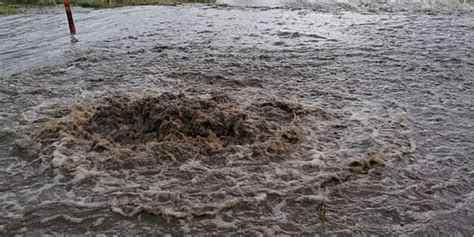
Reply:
x=72, y=28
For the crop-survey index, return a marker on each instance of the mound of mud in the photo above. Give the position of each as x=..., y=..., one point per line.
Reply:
x=126, y=131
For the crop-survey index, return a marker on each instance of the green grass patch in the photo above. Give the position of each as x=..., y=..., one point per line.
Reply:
x=119, y=3
x=7, y=5
x=8, y=9
x=30, y=2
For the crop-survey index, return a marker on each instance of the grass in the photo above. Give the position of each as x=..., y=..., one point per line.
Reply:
x=8, y=9
x=12, y=6
x=29, y=2
x=118, y=3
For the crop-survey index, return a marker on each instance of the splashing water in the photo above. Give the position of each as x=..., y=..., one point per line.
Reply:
x=289, y=119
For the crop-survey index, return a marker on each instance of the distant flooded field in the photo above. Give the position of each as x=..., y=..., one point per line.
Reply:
x=238, y=118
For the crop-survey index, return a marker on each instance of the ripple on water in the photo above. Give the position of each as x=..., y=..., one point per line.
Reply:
x=375, y=139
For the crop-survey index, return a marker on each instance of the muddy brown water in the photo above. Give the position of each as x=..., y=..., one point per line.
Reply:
x=384, y=147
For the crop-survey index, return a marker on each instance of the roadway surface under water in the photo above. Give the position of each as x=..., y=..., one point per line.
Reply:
x=234, y=119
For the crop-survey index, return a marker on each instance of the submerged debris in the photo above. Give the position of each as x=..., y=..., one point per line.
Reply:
x=363, y=166
x=129, y=131
x=322, y=208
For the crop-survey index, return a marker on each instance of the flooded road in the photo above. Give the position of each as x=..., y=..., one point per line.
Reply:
x=282, y=119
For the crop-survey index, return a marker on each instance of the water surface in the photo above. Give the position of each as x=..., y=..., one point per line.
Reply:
x=387, y=80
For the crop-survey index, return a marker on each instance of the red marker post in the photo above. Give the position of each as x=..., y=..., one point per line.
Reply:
x=72, y=28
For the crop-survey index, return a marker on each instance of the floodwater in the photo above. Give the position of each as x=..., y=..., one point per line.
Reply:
x=277, y=118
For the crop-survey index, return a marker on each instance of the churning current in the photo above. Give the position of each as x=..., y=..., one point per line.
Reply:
x=239, y=118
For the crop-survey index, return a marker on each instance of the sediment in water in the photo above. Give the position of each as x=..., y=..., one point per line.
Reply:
x=128, y=131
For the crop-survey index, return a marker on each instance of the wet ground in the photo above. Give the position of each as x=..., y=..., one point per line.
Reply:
x=283, y=119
